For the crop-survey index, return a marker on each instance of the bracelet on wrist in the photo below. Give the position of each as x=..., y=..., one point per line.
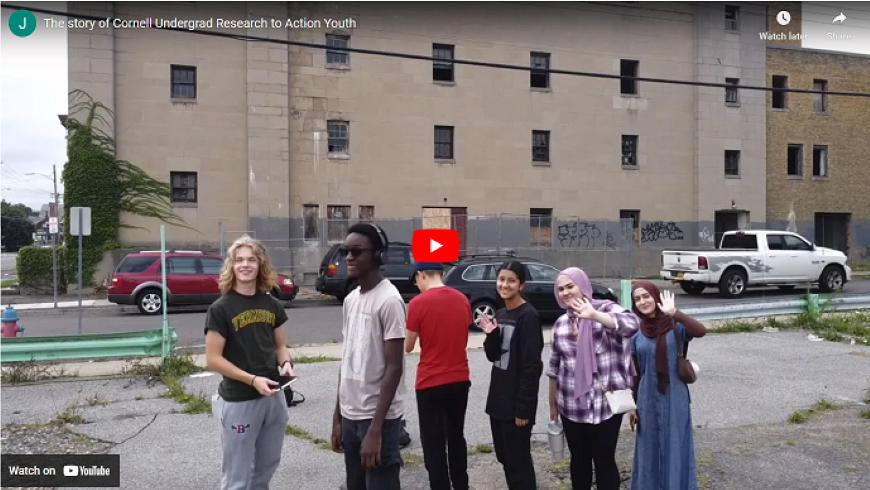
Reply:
x=253, y=379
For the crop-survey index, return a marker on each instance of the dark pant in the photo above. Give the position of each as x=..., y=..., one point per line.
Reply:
x=385, y=476
x=597, y=443
x=442, y=425
x=513, y=448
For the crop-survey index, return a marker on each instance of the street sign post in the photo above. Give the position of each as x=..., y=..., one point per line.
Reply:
x=80, y=226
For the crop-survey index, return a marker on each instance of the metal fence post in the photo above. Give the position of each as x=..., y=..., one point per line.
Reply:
x=221, y=232
x=625, y=293
x=813, y=307
x=166, y=340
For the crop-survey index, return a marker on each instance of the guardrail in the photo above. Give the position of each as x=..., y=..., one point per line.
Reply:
x=147, y=343
x=812, y=304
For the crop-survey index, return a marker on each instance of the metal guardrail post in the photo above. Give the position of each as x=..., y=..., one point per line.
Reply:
x=813, y=307
x=221, y=232
x=625, y=293
x=166, y=348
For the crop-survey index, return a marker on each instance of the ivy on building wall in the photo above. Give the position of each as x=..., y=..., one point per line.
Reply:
x=93, y=177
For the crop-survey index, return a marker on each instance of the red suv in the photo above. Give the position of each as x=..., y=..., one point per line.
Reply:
x=191, y=279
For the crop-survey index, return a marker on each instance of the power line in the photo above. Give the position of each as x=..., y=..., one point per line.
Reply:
x=485, y=64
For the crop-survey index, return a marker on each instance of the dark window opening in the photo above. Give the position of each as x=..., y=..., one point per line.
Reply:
x=820, y=161
x=338, y=136
x=795, y=160
x=540, y=146
x=444, y=142
x=442, y=71
x=780, y=84
x=629, y=150
x=335, y=55
x=183, y=186
x=628, y=68
x=183, y=82
x=540, y=79
x=732, y=162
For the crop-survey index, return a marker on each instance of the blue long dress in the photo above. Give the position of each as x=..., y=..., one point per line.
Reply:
x=664, y=453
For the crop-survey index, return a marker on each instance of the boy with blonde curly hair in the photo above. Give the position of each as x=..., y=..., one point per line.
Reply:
x=244, y=342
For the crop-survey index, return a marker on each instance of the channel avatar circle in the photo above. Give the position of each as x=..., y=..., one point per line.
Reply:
x=22, y=23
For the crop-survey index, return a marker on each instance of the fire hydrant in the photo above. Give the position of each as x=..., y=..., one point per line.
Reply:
x=10, y=327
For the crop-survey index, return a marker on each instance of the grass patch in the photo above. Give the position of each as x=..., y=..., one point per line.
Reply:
x=411, y=459
x=175, y=366
x=833, y=326
x=313, y=359
x=30, y=371
x=294, y=431
x=8, y=283
x=865, y=414
x=861, y=267
x=193, y=404
x=70, y=415
x=560, y=466
x=97, y=399
x=821, y=406
x=481, y=449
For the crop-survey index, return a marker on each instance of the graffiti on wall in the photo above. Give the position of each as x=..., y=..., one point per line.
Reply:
x=705, y=236
x=578, y=234
x=609, y=242
x=660, y=230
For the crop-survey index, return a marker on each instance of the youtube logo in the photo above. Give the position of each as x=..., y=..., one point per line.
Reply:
x=434, y=245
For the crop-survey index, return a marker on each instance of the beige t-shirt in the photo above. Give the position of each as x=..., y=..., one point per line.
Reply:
x=369, y=320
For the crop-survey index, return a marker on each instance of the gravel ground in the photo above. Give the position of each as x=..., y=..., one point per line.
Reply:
x=749, y=386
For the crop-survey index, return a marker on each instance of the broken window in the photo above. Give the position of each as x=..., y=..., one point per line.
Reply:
x=541, y=227
x=634, y=216
x=540, y=146
x=338, y=137
x=540, y=79
x=628, y=68
x=795, y=160
x=820, y=101
x=442, y=71
x=366, y=214
x=780, y=84
x=629, y=150
x=820, y=161
x=732, y=18
x=337, y=223
x=311, y=222
x=732, y=96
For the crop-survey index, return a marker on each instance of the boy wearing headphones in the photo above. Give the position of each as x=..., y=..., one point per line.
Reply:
x=367, y=420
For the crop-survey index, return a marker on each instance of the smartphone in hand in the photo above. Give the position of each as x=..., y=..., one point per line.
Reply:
x=284, y=382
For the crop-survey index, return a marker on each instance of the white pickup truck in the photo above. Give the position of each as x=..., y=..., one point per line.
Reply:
x=756, y=258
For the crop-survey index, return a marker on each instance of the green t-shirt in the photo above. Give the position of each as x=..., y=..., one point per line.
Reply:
x=247, y=323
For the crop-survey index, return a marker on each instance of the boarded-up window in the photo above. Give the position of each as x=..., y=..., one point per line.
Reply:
x=366, y=214
x=541, y=227
x=311, y=222
x=337, y=222
x=634, y=216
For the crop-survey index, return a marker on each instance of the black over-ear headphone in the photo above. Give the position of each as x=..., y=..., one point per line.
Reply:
x=379, y=255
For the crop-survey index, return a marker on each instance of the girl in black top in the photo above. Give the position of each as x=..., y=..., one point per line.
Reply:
x=514, y=342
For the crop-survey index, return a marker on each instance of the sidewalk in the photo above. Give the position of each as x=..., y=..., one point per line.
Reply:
x=743, y=439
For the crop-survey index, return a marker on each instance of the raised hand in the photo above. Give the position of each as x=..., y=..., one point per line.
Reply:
x=667, y=305
x=487, y=324
x=583, y=308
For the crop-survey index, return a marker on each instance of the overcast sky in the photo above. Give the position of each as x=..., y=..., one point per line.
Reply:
x=34, y=87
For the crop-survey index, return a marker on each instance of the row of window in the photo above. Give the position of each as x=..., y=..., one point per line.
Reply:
x=780, y=96
x=184, y=184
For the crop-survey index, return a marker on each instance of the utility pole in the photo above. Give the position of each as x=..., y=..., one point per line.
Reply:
x=54, y=245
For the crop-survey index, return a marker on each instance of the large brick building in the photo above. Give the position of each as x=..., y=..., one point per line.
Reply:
x=273, y=139
x=818, y=176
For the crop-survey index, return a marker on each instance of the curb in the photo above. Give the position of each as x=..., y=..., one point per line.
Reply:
x=49, y=307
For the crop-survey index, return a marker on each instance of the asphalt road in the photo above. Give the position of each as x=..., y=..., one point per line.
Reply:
x=7, y=265
x=309, y=321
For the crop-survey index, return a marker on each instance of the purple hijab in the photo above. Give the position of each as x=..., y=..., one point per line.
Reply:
x=584, y=361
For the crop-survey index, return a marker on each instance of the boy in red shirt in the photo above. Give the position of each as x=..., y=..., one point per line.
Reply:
x=441, y=316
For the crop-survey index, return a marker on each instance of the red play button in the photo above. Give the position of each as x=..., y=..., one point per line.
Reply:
x=435, y=245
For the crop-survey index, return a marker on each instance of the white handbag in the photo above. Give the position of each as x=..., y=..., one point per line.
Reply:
x=620, y=401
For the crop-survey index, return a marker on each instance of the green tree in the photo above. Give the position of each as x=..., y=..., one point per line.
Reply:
x=95, y=178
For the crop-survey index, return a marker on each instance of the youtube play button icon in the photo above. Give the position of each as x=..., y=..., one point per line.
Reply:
x=435, y=245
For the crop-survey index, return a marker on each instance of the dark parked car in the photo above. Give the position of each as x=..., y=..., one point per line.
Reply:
x=191, y=279
x=398, y=268
x=475, y=276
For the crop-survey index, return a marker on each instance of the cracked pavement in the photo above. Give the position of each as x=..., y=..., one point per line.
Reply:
x=748, y=386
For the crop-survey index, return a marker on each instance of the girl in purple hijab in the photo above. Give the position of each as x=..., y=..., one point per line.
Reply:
x=590, y=354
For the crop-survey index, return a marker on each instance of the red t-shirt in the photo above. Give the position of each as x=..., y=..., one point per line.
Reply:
x=441, y=318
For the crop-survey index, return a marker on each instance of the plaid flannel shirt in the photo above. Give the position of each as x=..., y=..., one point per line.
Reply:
x=612, y=349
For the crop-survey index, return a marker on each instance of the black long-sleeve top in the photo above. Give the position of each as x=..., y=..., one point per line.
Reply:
x=515, y=349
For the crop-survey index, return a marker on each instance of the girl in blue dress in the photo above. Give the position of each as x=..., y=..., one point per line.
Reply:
x=664, y=454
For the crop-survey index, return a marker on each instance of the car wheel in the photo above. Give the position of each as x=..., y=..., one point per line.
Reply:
x=150, y=302
x=832, y=279
x=693, y=288
x=732, y=284
x=482, y=307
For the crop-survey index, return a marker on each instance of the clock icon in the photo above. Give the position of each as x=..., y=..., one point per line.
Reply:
x=783, y=18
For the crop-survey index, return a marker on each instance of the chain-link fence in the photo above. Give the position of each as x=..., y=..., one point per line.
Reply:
x=604, y=249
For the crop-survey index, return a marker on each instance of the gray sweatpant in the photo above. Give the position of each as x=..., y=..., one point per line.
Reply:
x=252, y=436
